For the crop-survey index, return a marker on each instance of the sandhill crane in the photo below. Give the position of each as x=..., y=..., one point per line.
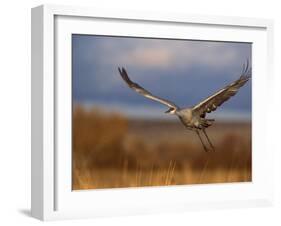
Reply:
x=193, y=118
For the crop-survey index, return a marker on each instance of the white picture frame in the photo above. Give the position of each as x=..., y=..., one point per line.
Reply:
x=52, y=197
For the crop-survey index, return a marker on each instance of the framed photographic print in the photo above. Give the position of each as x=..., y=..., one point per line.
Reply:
x=136, y=112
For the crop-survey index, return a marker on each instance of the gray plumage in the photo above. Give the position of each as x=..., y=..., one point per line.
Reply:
x=194, y=118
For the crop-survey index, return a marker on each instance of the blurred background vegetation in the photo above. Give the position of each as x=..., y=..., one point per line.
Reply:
x=112, y=151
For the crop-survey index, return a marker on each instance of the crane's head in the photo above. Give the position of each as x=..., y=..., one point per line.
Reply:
x=171, y=111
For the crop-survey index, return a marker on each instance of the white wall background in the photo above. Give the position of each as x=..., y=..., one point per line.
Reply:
x=15, y=112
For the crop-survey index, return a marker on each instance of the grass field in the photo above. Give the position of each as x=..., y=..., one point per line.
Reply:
x=111, y=151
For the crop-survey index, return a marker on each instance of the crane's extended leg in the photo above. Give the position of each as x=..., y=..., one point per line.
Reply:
x=205, y=148
x=209, y=140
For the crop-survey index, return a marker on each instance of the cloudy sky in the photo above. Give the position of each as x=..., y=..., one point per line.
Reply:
x=183, y=71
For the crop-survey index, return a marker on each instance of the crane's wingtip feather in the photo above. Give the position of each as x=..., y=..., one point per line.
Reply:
x=124, y=72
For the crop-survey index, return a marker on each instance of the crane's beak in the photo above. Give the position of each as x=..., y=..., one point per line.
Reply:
x=169, y=111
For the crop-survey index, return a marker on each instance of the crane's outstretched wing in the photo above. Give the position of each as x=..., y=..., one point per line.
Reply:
x=144, y=92
x=211, y=103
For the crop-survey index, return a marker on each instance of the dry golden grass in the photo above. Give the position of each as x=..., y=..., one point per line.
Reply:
x=110, y=151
